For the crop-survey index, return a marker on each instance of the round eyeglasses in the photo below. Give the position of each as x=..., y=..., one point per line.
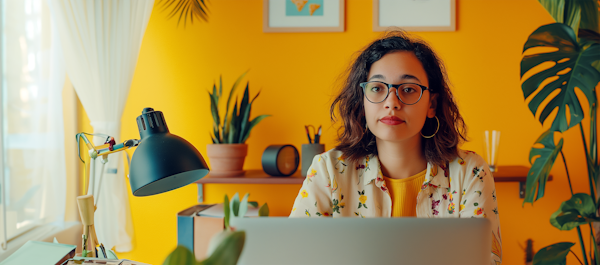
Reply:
x=408, y=93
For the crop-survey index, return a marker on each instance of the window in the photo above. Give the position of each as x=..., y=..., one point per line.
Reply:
x=32, y=182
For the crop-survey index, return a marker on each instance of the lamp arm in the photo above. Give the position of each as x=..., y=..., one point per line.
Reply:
x=86, y=203
x=109, y=147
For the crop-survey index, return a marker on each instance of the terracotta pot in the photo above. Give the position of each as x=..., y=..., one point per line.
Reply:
x=226, y=160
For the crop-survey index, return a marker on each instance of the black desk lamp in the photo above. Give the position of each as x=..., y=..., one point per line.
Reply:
x=161, y=162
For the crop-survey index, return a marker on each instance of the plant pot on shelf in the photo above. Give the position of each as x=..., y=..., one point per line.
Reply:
x=226, y=160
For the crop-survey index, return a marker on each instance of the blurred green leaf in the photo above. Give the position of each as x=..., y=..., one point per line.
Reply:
x=232, y=92
x=235, y=204
x=226, y=211
x=244, y=114
x=540, y=169
x=589, y=15
x=220, y=85
x=214, y=108
x=253, y=204
x=187, y=9
x=228, y=252
x=253, y=123
x=573, y=14
x=556, y=8
x=180, y=256
x=243, y=206
x=234, y=128
x=553, y=255
x=264, y=210
x=578, y=210
x=572, y=67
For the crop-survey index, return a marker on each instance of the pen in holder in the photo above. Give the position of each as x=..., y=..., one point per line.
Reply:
x=491, y=149
x=309, y=151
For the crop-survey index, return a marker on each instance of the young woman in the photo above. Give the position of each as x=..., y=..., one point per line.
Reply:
x=398, y=146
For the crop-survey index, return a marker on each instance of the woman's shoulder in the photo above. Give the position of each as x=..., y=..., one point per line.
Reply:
x=469, y=159
x=334, y=156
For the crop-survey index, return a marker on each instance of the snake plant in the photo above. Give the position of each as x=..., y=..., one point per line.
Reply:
x=235, y=127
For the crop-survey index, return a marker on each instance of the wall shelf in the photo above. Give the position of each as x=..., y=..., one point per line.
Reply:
x=504, y=174
x=258, y=176
x=514, y=174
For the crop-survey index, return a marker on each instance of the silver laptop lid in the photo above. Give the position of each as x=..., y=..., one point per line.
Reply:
x=282, y=240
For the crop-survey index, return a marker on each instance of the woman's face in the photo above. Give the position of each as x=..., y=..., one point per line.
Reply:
x=392, y=120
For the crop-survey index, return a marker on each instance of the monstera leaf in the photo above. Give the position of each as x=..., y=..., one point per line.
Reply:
x=540, y=169
x=572, y=68
x=553, y=254
x=578, y=210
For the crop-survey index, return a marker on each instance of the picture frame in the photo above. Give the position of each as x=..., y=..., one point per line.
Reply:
x=303, y=15
x=410, y=15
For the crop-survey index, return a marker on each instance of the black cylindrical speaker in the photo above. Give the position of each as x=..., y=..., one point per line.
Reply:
x=280, y=160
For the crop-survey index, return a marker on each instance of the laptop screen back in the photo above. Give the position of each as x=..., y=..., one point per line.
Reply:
x=282, y=240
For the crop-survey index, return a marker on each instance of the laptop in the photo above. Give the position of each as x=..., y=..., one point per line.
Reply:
x=282, y=240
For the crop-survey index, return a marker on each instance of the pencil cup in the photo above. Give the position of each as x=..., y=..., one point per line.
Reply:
x=309, y=151
x=492, y=142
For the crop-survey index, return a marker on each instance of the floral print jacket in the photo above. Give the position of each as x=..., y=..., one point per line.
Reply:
x=463, y=188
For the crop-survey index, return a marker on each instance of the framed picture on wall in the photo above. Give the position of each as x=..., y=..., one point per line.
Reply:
x=411, y=15
x=303, y=15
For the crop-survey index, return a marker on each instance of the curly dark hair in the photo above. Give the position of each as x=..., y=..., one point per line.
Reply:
x=355, y=141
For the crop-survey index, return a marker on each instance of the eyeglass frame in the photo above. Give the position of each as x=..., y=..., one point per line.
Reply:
x=396, y=86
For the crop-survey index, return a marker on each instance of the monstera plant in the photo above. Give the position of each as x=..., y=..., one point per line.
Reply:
x=568, y=54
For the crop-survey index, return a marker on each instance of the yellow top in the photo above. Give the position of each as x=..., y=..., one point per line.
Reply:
x=404, y=193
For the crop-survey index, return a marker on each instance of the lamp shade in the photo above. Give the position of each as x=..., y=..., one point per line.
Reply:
x=162, y=161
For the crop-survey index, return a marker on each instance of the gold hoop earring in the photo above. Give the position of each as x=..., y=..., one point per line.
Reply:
x=436, y=130
x=366, y=129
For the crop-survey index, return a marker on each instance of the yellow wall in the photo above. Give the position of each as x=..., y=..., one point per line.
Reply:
x=296, y=73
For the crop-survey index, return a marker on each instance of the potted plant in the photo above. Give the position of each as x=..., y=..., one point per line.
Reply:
x=225, y=247
x=230, y=131
x=572, y=46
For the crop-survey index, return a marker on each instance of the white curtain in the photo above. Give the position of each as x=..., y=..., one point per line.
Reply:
x=101, y=40
x=32, y=120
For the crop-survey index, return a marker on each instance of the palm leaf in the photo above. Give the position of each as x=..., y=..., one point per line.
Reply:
x=573, y=68
x=540, y=169
x=187, y=9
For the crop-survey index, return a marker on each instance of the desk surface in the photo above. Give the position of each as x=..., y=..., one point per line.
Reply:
x=504, y=174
